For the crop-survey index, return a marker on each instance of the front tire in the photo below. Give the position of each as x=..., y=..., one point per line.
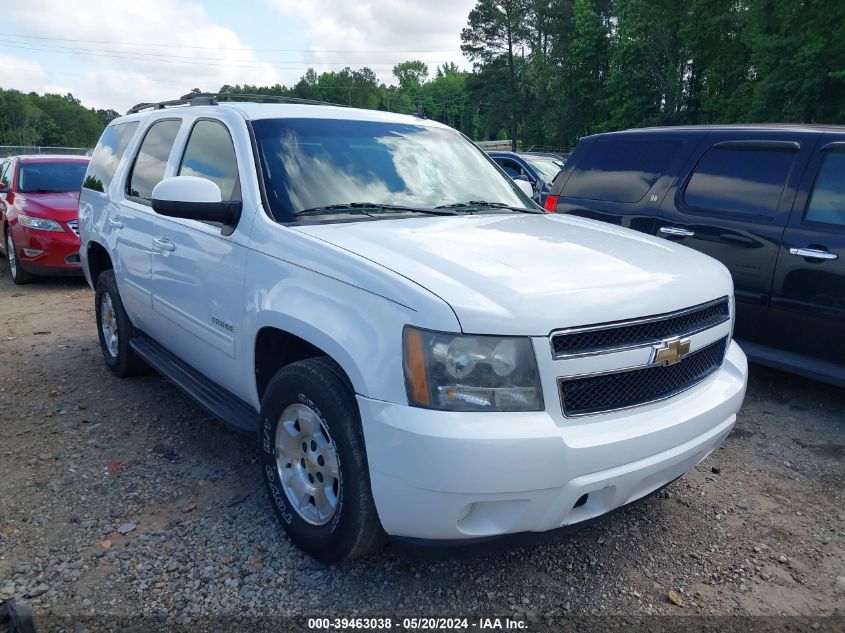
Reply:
x=18, y=274
x=314, y=463
x=115, y=330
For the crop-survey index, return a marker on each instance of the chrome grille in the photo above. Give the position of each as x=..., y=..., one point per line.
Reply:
x=608, y=337
x=599, y=393
x=73, y=225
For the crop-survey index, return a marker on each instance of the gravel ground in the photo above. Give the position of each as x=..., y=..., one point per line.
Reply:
x=121, y=498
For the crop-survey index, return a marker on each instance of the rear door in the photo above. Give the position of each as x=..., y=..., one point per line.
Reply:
x=732, y=202
x=621, y=178
x=133, y=221
x=808, y=294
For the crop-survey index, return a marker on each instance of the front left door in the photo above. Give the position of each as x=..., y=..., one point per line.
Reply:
x=808, y=294
x=198, y=269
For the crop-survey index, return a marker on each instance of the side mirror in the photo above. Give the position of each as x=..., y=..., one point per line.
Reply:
x=525, y=187
x=195, y=198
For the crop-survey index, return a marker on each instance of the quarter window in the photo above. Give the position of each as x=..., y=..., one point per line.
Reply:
x=827, y=204
x=210, y=154
x=620, y=170
x=107, y=155
x=151, y=161
x=739, y=181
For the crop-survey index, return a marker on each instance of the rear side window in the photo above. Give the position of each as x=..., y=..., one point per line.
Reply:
x=210, y=154
x=151, y=161
x=107, y=155
x=621, y=170
x=739, y=181
x=827, y=204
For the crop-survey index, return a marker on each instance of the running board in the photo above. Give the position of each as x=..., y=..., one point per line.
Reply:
x=222, y=404
x=793, y=363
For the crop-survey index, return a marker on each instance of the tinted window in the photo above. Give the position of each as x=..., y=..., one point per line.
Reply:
x=151, y=161
x=107, y=155
x=512, y=169
x=59, y=177
x=210, y=154
x=308, y=163
x=828, y=201
x=742, y=181
x=620, y=170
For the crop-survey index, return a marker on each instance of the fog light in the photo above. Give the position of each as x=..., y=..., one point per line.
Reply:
x=32, y=252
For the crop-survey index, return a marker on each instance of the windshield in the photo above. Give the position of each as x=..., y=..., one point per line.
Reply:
x=51, y=177
x=548, y=168
x=314, y=163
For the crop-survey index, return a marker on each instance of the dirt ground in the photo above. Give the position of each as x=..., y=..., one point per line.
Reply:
x=120, y=498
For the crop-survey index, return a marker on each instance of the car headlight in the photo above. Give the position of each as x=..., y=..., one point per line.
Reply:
x=455, y=372
x=39, y=223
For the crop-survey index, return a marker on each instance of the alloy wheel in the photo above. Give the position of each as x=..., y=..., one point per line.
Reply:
x=308, y=465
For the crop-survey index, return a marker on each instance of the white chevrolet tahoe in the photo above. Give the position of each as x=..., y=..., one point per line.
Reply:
x=420, y=350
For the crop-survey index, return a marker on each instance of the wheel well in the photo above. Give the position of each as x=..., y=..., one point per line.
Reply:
x=98, y=261
x=276, y=348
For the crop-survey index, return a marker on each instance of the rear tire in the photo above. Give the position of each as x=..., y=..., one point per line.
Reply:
x=314, y=463
x=18, y=274
x=115, y=330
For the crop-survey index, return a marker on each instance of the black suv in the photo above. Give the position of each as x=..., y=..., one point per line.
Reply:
x=768, y=201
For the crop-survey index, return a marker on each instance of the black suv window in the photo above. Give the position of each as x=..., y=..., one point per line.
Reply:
x=827, y=204
x=210, y=154
x=151, y=161
x=620, y=170
x=744, y=181
x=107, y=155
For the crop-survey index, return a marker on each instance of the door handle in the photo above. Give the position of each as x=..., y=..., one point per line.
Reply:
x=115, y=223
x=813, y=253
x=164, y=244
x=676, y=231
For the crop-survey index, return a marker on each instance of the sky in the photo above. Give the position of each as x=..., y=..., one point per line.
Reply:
x=116, y=53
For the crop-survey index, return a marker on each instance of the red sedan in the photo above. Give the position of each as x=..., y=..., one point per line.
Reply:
x=40, y=196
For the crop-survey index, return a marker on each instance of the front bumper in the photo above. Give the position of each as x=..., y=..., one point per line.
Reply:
x=59, y=252
x=445, y=476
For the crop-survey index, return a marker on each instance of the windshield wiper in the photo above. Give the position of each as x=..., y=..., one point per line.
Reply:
x=363, y=207
x=45, y=191
x=485, y=203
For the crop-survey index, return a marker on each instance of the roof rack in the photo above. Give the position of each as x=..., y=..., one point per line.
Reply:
x=207, y=98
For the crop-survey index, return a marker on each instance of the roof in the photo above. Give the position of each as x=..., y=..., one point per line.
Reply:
x=256, y=111
x=732, y=127
x=51, y=158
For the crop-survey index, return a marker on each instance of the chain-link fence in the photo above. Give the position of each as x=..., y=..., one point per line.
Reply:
x=20, y=150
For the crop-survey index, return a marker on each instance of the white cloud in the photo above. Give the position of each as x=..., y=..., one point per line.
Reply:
x=21, y=74
x=109, y=75
x=81, y=47
x=381, y=32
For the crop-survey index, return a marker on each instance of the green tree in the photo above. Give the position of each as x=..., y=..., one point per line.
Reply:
x=495, y=30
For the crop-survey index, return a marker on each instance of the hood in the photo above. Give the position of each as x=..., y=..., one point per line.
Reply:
x=527, y=274
x=55, y=206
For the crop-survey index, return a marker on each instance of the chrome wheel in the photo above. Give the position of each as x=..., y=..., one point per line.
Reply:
x=308, y=465
x=10, y=255
x=108, y=324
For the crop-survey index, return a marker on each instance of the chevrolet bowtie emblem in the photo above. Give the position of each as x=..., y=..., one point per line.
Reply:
x=670, y=351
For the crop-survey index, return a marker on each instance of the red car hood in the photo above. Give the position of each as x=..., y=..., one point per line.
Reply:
x=54, y=206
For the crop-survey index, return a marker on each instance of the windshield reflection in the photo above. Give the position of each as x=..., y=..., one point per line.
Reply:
x=312, y=163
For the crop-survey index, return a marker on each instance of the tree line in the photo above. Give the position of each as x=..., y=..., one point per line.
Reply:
x=547, y=72
x=49, y=120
